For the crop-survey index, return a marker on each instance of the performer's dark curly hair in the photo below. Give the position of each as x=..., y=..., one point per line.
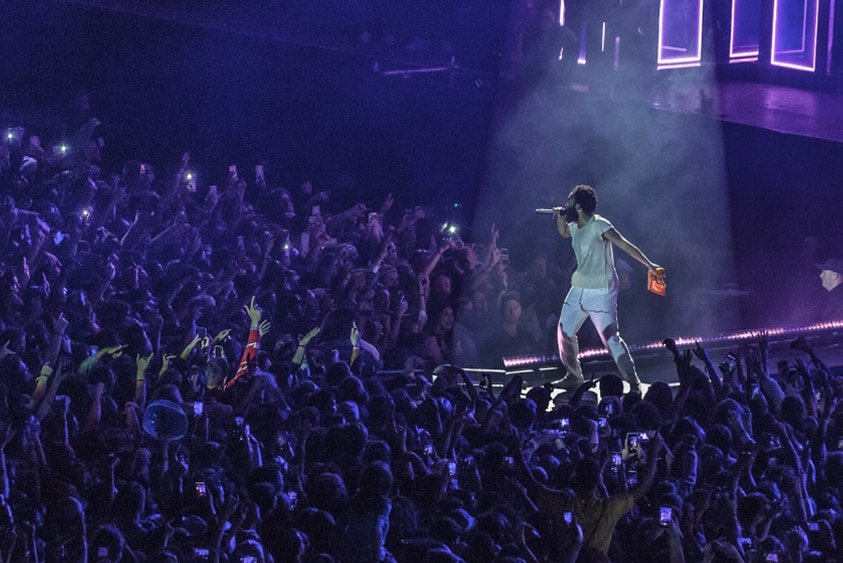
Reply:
x=586, y=196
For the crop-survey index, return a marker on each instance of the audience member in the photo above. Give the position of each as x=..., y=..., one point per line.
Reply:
x=243, y=373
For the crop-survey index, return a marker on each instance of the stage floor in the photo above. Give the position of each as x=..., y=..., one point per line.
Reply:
x=796, y=111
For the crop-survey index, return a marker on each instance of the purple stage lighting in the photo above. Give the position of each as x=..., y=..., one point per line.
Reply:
x=746, y=31
x=795, y=25
x=680, y=32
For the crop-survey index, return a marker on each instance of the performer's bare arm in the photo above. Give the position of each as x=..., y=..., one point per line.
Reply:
x=621, y=242
x=561, y=223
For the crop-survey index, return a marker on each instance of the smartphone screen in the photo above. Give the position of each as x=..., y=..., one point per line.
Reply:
x=201, y=488
x=665, y=515
x=772, y=442
x=617, y=461
x=728, y=363
x=504, y=256
x=632, y=442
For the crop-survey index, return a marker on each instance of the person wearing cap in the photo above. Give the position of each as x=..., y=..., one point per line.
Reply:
x=831, y=274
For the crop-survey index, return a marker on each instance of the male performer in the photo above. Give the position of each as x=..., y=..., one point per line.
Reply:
x=594, y=285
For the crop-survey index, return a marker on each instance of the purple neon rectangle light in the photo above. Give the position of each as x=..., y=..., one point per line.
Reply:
x=795, y=27
x=678, y=18
x=745, y=30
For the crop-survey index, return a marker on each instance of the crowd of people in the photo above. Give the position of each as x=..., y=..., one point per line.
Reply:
x=243, y=373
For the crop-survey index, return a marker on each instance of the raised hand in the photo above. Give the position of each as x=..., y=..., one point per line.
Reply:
x=60, y=325
x=685, y=359
x=165, y=363
x=801, y=345
x=222, y=335
x=253, y=312
x=189, y=348
x=142, y=362
x=387, y=204
x=402, y=305
x=112, y=350
x=424, y=285
x=355, y=335
x=184, y=162
x=356, y=211
x=670, y=344
x=763, y=341
x=701, y=353
x=764, y=348
x=309, y=336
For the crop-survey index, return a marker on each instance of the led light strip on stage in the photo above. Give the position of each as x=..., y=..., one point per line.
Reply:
x=516, y=362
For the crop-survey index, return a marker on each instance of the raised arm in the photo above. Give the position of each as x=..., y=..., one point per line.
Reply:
x=561, y=223
x=613, y=236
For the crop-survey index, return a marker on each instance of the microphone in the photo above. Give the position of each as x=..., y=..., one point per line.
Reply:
x=544, y=211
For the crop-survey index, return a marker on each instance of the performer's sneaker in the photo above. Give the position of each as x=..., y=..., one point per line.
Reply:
x=570, y=381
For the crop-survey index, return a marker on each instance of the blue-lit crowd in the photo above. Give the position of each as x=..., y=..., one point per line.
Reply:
x=247, y=372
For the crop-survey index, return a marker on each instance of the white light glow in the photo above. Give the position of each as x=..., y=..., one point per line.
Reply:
x=603, y=39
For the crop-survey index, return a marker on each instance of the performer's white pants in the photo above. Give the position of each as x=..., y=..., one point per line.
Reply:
x=601, y=306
